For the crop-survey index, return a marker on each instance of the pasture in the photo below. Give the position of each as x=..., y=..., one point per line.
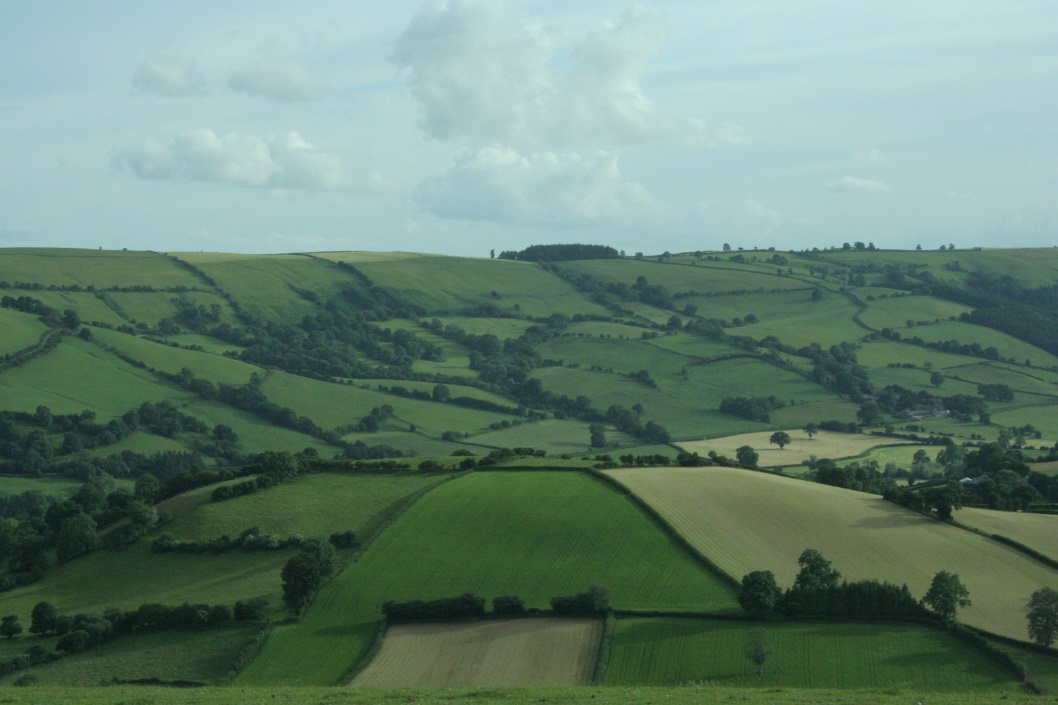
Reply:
x=450, y=284
x=254, y=433
x=671, y=651
x=516, y=652
x=78, y=375
x=54, y=486
x=90, y=307
x=863, y=535
x=98, y=268
x=1018, y=379
x=823, y=445
x=1008, y=347
x=555, y=436
x=202, y=656
x=881, y=353
x=1037, y=531
x=21, y=330
x=681, y=278
x=895, y=312
x=827, y=321
x=215, y=368
x=527, y=533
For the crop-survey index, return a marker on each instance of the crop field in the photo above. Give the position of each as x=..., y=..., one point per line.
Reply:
x=98, y=268
x=657, y=651
x=215, y=368
x=129, y=577
x=450, y=284
x=313, y=505
x=255, y=433
x=517, y=652
x=78, y=375
x=823, y=445
x=862, y=534
x=170, y=655
x=531, y=534
x=880, y=353
x=21, y=330
x=895, y=312
x=332, y=405
x=1007, y=346
x=1037, y=531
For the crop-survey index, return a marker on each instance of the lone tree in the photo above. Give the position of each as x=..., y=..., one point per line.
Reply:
x=305, y=572
x=946, y=595
x=598, y=435
x=10, y=627
x=757, y=650
x=936, y=379
x=811, y=429
x=43, y=618
x=759, y=594
x=780, y=438
x=1043, y=616
x=747, y=456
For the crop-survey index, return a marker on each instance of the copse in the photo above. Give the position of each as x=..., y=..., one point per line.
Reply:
x=304, y=573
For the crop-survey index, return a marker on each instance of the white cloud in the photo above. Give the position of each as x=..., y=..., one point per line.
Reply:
x=484, y=76
x=857, y=184
x=171, y=76
x=287, y=83
x=501, y=184
x=871, y=156
x=284, y=162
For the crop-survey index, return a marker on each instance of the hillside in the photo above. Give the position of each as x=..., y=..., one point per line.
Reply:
x=230, y=402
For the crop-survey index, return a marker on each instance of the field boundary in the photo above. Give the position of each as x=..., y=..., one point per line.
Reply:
x=369, y=655
x=602, y=656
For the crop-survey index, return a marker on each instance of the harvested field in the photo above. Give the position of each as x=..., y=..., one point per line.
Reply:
x=1037, y=531
x=745, y=521
x=516, y=652
x=800, y=447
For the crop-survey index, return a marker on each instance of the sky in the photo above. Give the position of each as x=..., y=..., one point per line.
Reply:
x=465, y=126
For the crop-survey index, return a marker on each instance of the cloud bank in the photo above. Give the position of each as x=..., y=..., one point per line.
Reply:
x=240, y=159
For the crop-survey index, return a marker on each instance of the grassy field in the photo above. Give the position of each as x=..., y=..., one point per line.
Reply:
x=895, y=312
x=98, y=268
x=450, y=284
x=555, y=436
x=776, y=518
x=1037, y=531
x=254, y=433
x=1022, y=380
x=668, y=651
x=823, y=445
x=902, y=455
x=880, y=353
x=695, y=694
x=21, y=330
x=519, y=652
x=204, y=656
x=531, y=534
x=215, y=368
x=1007, y=346
x=313, y=505
x=681, y=279
x=78, y=375
x=55, y=486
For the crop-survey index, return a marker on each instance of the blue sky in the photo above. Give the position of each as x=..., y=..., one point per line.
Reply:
x=463, y=126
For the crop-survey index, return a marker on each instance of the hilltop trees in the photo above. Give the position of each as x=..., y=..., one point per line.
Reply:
x=946, y=595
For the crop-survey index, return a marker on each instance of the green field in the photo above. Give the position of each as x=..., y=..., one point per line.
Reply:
x=254, y=433
x=881, y=353
x=21, y=331
x=78, y=375
x=98, y=268
x=56, y=486
x=823, y=444
x=554, y=436
x=668, y=651
x=865, y=537
x=681, y=279
x=1037, y=531
x=215, y=368
x=895, y=312
x=202, y=656
x=1007, y=346
x=531, y=534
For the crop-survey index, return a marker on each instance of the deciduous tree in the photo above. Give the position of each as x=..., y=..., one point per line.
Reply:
x=946, y=595
x=1043, y=616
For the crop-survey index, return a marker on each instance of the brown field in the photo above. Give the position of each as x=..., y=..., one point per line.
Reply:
x=517, y=652
x=1037, y=531
x=745, y=521
x=823, y=445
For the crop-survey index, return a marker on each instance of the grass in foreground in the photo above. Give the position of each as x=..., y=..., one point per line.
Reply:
x=530, y=534
x=813, y=655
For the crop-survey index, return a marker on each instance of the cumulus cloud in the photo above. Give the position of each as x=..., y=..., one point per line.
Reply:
x=485, y=76
x=286, y=83
x=171, y=76
x=284, y=162
x=501, y=184
x=857, y=184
